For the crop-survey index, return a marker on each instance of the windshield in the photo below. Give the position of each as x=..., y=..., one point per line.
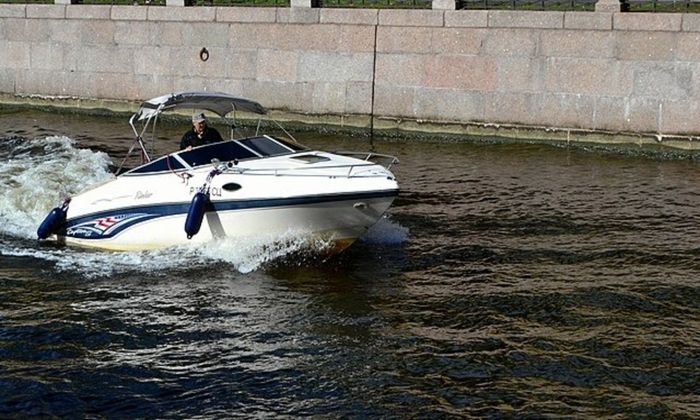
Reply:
x=226, y=151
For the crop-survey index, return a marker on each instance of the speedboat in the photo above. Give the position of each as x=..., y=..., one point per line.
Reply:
x=260, y=184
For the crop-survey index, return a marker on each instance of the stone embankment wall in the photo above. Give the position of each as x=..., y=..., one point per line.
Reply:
x=567, y=73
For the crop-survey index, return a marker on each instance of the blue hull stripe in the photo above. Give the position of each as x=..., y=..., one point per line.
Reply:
x=106, y=224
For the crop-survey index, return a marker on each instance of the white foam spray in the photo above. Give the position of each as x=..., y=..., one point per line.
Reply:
x=386, y=232
x=242, y=255
x=38, y=174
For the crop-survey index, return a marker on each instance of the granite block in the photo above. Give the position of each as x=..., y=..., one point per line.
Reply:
x=333, y=67
x=182, y=14
x=393, y=101
x=276, y=65
x=46, y=56
x=13, y=10
x=688, y=47
x=129, y=12
x=668, y=81
x=246, y=14
x=328, y=98
x=116, y=86
x=460, y=72
x=53, y=83
x=279, y=95
x=457, y=40
x=206, y=34
x=407, y=17
x=404, y=40
x=25, y=30
x=467, y=18
x=241, y=64
x=600, y=21
x=305, y=37
x=133, y=33
x=7, y=80
x=88, y=11
x=449, y=105
x=564, y=110
x=587, y=77
x=609, y=113
x=157, y=61
x=510, y=42
x=679, y=117
x=645, y=46
x=647, y=21
x=46, y=11
x=348, y=38
x=522, y=19
x=167, y=33
x=252, y=36
x=15, y=55
x=570, y=43
x=149, y=86
x=98, y=59
x=519, y=74
x=358, y=98
x=400, y=69
x=642, y=115
x=95, y=32
x=509, y=108
x=350, y=16
x=690, y=22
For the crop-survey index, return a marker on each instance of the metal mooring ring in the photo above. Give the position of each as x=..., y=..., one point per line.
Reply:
x=203, y=54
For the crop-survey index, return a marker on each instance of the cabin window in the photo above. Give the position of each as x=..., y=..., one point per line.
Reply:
x=266, y=147
x=291, y=145
x=165, y=163
x=311, y=158
x=225, y=151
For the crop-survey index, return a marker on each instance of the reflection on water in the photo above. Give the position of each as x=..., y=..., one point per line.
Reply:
x=508, y=280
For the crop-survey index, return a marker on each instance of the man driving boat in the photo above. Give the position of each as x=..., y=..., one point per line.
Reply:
x=199, y=134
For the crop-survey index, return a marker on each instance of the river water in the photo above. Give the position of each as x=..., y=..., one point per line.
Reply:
x=507, y=280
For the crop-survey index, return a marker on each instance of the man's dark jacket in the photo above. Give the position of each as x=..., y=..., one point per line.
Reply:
x=190, y=138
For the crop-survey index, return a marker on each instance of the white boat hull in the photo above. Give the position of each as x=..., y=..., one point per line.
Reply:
x=148, y=211
x=339, y=223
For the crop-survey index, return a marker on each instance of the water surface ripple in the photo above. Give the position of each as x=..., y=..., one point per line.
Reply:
x=507, y=281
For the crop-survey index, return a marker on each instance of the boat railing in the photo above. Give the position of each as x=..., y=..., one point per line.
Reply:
x=381, y=159
x=333, y=171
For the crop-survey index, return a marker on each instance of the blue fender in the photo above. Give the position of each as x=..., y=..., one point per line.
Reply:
x=51, y=223
x=195, y=214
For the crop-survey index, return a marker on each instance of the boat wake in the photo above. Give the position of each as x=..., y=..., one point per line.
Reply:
x=386, y=232
x=243, y=256
x=38, y=174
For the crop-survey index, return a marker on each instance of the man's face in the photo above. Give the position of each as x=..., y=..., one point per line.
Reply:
x=199, y=126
